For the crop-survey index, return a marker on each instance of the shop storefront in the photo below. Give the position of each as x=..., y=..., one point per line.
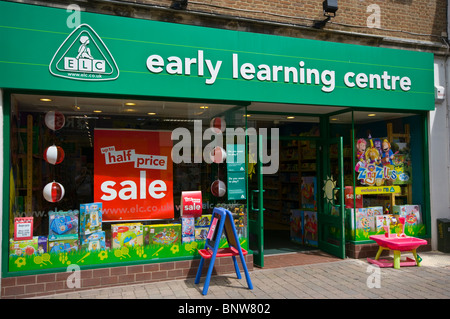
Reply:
x=121, y=135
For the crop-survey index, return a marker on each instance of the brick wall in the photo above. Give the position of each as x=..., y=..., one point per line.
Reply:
x=370, y=250
x=46, y=284
x=423, y=20
x=419, y=20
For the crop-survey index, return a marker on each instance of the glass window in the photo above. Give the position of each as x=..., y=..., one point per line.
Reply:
x=387, y=158
x=56, y=168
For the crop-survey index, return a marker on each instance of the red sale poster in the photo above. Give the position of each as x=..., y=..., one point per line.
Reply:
x=133, y=174
x=191, y=204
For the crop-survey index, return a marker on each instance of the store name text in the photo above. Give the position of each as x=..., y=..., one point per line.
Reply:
x=298, y=74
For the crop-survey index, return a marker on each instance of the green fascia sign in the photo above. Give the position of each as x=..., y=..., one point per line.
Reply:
x=127, y=56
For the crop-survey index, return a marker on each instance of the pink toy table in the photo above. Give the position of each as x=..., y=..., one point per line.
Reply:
x=397, y=245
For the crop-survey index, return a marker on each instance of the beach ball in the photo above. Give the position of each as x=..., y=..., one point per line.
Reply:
x=218, y=124
x=53, y=192
x=218, y=188
x=54, y=154
x=54, y=120
x=218, y=155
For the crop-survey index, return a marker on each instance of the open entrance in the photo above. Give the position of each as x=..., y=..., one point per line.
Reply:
x=293, y=194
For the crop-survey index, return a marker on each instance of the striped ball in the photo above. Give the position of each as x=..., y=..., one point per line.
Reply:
x=53, y=192
x=54, y=154
x=54, y=120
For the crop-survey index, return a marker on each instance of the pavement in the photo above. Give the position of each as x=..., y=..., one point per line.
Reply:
x=340, y=279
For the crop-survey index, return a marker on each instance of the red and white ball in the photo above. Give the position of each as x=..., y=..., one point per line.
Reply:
x=54, y=120
x=54, y=154
x=218, y=155
x=53, y=192
x=218, y=188
x=218, y=124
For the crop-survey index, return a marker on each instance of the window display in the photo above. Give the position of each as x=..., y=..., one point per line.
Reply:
x=386, y=199
x=97, y=178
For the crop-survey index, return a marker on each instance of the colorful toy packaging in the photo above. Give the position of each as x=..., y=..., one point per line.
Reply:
x=201, y=233
x=35, y=246
x=310, y=234
x=308, y=193
x=361, y=222
x=63, y=246
x=162, y=234
x=296, y=226
x=94, y=241
x=127, y=235
x=203, y=221
x=90, y=218
x=187, y=229
x=413, y=218
x=63, y=225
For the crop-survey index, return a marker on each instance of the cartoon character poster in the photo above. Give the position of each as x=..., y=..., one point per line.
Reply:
x=133, y=174
x=382, y=162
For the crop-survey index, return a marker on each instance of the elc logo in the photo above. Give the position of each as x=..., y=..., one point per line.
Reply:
x=84, y=56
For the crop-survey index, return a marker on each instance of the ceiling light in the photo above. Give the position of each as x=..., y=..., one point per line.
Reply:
x=151, y=113
x=97, y=111
x=334, y=119
x=204, y=107
x=371, y=114
x=246, y=115
x=290, y=117
x=45, y=100
x=130, y=104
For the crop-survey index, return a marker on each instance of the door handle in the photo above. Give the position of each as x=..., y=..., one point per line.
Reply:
x=333, y=202
x=251, y=199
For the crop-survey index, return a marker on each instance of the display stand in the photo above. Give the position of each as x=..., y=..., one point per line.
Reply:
x=221, y=220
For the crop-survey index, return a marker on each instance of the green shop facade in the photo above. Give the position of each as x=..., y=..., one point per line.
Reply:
x=334, y=139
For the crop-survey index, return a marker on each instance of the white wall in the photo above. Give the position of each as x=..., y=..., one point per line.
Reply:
x=439, y=145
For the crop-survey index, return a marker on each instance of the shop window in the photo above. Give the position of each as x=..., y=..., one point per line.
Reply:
x=100, y=181
x=387, y=159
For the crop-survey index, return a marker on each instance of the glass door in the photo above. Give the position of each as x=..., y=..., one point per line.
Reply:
x=331, y=196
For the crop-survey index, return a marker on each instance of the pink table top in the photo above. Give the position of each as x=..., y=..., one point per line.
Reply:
x=398, y=243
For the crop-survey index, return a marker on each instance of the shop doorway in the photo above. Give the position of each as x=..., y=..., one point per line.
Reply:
x=295, y=216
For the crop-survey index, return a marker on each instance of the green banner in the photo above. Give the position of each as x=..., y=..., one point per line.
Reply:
x=117, y=55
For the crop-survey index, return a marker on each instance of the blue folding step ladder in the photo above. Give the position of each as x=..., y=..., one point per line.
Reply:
x=222, y=220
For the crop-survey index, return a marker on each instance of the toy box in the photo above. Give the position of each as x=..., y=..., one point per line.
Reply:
x=380, y=221
x=35, y=246
x=128, y=235
x=412, y=214
x=162, y=234
x=187, y=229
x=63, y=225
x=308, y=193
x=296, y=226
x=90, y=218
x=413, y=219
x=94, y=241
x=310, y=235
x=201, y=233
x=374, y=211
x=63, y=246
x=203, y=221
